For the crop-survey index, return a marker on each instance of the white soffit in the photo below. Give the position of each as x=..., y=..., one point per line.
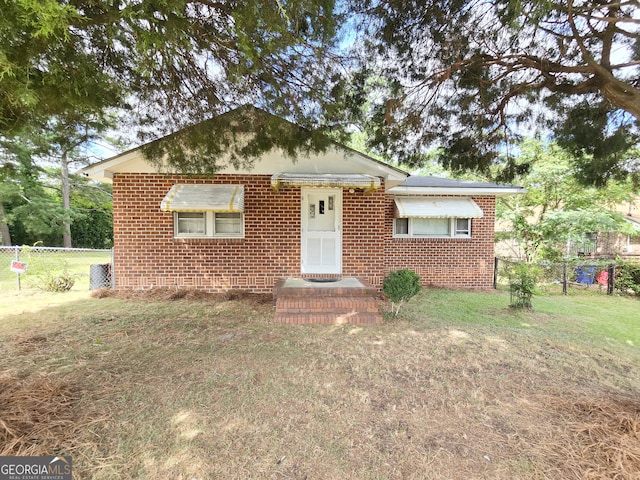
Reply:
x=424, y=207
x=204, y=198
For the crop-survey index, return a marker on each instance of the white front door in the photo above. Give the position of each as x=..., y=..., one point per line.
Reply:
x=322, y=231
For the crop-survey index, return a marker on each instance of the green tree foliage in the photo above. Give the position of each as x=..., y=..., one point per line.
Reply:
x=470, y=76
x=49, y=65
x=31, y=196
x=167, y=64
x=93, y=207
x=628, y=277
x=241, y=136
x=557, y=208
x=523, y=280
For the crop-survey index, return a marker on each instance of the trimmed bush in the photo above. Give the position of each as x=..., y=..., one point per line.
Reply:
x=399, y=286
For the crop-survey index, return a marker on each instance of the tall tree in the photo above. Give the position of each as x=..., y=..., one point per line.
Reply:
x=65, y=143
x=470, y=75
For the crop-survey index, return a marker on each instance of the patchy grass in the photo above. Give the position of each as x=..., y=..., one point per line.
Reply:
x=45, y=262
x=183, y=386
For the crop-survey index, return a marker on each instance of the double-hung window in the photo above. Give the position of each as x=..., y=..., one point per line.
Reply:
x=208, y=224
x=190, y=223
x=206, y=211
x=434, y=217
x=432, y=227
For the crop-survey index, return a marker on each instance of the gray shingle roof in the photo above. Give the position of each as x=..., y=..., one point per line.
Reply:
x=439, y=182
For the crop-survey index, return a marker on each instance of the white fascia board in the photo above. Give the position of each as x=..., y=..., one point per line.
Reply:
x=334, y=160
x=496, y=192
x=105, y=169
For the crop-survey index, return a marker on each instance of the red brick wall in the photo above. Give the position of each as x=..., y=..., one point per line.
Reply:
x=147, y=255
x=447, y=262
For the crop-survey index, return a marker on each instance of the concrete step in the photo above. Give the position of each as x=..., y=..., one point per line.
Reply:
x=348, y=287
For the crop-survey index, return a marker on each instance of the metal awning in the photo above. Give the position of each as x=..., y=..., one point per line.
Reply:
x=204, y=198
x=325, y=180
x=430, y=207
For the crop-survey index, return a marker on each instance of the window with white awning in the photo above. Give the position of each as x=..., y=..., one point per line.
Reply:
x=205, y=210
x=204, y=198
x=434, y=217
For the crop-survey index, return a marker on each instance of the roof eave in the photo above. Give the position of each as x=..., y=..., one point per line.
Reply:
x=474, y=191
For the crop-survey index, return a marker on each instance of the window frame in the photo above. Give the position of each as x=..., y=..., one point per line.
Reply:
x=210, y=226
x=178, y=220
x=454, y=231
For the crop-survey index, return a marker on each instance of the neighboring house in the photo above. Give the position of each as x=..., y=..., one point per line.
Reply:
x=622, y=245
x=596, y=244
x=334, y=214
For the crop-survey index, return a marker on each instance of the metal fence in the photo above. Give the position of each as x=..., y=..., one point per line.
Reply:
x=593, y=275
x=54, y=269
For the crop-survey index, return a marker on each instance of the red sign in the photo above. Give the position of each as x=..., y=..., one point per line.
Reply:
x=18, y=267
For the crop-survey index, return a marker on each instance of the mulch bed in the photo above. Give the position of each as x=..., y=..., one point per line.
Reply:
x=172, y=294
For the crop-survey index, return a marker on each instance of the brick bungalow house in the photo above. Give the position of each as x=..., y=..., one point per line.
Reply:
x=329, y=215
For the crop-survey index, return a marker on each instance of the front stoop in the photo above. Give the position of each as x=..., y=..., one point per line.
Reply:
x=347, y=301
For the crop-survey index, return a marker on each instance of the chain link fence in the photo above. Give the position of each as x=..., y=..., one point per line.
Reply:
x=594, y=275
x=54, y=269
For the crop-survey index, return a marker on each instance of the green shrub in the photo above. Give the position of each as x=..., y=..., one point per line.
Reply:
x=523, y=281
x=628, y=277
x=399, y=286
x=49, y=277
x=58, y=282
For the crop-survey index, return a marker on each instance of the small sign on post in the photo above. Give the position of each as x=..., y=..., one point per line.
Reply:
x=18, y=267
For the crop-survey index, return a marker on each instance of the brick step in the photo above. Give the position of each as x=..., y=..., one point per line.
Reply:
x=311, y=304
x=348, y=300
x=327, y=310
x=328, y=318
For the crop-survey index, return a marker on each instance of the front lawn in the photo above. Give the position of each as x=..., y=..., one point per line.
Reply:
x=459, y=387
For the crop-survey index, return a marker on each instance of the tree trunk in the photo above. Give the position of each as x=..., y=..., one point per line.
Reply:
x=4, y=228
x=66, y=201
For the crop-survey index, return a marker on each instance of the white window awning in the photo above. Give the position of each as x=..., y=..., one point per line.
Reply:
x=325, y=180
x=430, y=207
x=204, y=198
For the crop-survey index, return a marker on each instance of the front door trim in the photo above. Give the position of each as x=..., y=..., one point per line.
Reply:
x=321, y=250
